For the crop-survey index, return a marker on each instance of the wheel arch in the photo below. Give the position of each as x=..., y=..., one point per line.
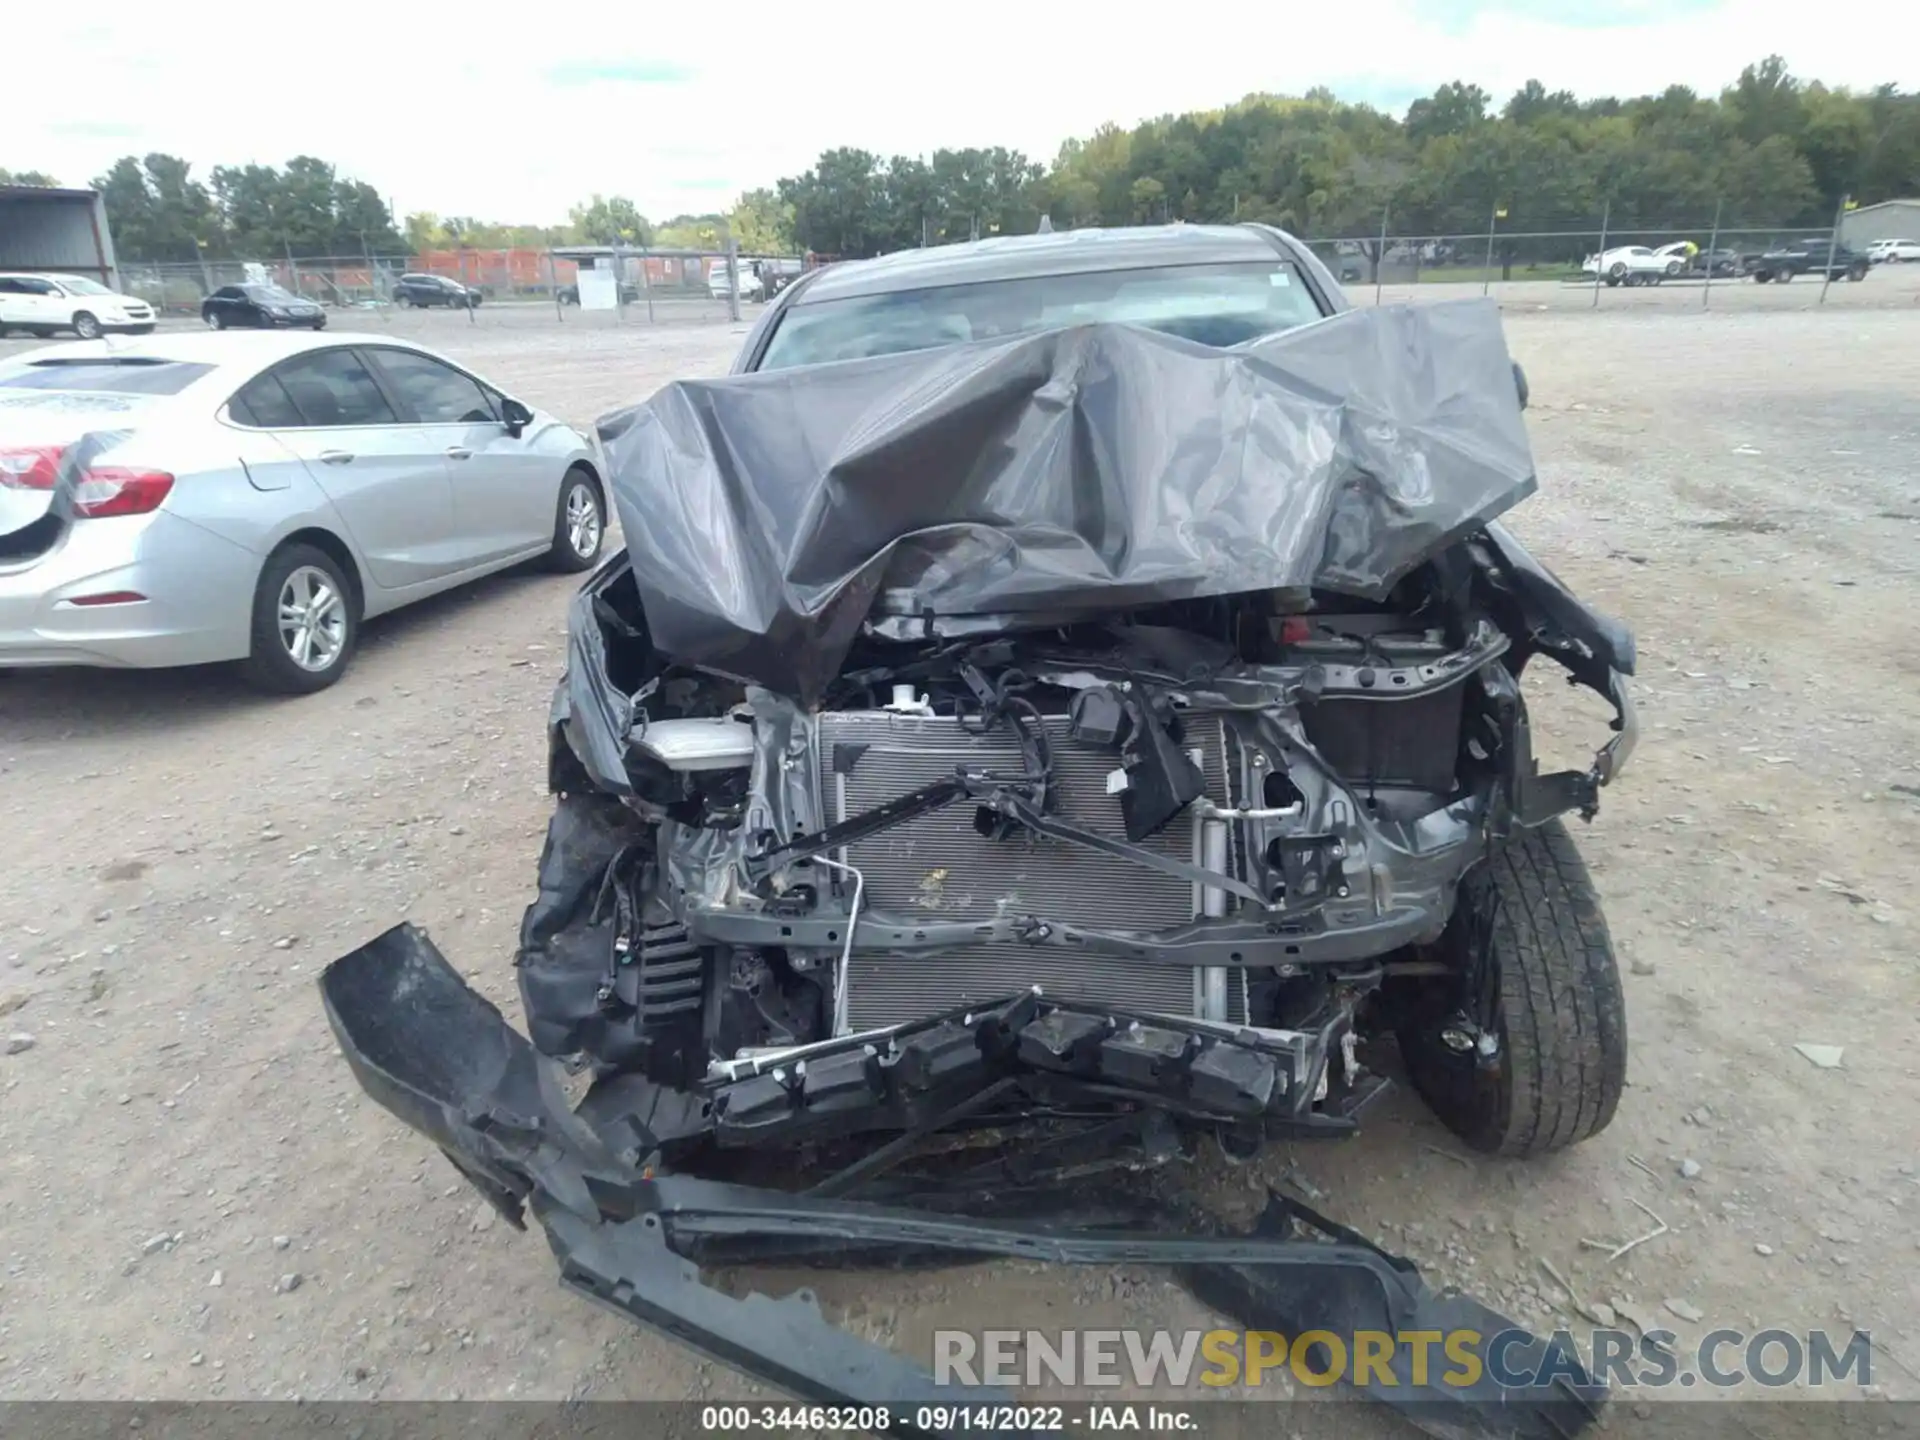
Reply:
x=336, y=550
x=585, y=462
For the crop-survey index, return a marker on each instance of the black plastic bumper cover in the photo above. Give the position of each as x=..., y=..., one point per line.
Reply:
x=445, y=1061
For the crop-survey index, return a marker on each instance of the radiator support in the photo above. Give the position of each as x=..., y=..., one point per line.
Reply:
x=941, y=867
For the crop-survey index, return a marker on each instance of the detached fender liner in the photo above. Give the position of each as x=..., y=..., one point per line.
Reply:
x=444, y=1060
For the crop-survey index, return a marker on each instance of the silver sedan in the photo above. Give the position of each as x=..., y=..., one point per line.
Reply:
x=182, y=499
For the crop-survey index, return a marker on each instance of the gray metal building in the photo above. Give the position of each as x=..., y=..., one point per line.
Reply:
x=59, y=230
x=1889, y=220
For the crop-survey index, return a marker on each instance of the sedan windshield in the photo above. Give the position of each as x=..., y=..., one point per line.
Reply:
x=271, y=295
x=1217, y=305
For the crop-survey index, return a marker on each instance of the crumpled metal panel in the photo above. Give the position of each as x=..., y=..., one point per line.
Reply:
x=1082, y=469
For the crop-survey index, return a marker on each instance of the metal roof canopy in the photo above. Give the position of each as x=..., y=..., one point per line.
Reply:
x=49, y=229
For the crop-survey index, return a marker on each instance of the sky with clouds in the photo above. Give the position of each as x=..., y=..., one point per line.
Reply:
x=513, y=113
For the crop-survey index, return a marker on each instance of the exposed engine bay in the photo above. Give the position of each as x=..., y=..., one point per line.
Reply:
x=996, y=767
x=1247, y=811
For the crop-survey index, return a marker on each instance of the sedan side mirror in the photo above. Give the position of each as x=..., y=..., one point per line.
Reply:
x=515, y=416
x=1520, y=383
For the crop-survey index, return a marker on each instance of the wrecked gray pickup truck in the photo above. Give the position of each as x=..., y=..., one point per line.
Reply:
x=998, y=763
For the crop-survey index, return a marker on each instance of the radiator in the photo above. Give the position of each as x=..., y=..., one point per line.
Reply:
x=940, y=867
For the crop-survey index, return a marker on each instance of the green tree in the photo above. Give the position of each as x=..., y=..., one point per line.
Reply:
x=609, y=220
x=692, y=232
x=248, y=197
x=28, y=177
x=158, y=211
x=1456, y=108
x=835, y=204
x=1532, y=103
x=762, y=222
x=362, y=220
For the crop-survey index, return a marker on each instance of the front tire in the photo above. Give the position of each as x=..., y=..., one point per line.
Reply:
x=1559, y=1028
x=579, y=524
x=306, y=622
x=86, y=325
x=214, y=319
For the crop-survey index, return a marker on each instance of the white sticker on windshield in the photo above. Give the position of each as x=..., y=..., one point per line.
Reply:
x=1280, y=277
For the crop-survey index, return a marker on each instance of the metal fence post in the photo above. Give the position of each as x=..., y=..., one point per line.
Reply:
x=1713, y=244
x=1833, y=244
x=553, y=287
x=1600, y=255
x=646, y=284
x=733, y=279
x=1486, y=271
x=1380, y=255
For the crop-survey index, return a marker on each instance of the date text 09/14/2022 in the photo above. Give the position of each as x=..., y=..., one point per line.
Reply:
x=987, y=1419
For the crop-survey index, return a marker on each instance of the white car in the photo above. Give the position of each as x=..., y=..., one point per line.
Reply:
x=1637, y=265
x=1883, y=252
x=750, y=286
x=40, y=304
x=194, y=498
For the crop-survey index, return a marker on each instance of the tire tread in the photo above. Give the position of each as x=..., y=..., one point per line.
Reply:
x=1561, y=1002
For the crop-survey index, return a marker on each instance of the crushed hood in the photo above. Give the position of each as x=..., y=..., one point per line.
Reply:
x=1078, y=470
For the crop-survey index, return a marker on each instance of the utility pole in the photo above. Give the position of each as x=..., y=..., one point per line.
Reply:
x=1600, y=255
x=1379, y=256
x=1486, y=271
x=1713, y=244
x=1833, y=244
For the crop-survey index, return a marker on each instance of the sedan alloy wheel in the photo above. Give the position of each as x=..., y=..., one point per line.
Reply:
x=312, y=619
x=583, y=520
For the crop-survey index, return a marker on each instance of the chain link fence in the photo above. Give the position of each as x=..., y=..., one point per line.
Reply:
x=1596, y=257
x=652, y=286
x=1601, y=253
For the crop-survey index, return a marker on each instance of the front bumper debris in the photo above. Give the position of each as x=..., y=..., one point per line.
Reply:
x=632, y=1235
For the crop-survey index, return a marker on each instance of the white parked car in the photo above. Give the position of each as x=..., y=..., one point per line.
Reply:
x=41, y=304
x=1637, y=264
x=1884, y=252
x=194, y=498
x=750, y=286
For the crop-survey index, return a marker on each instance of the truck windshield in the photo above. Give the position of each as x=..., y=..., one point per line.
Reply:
x=1217, y=305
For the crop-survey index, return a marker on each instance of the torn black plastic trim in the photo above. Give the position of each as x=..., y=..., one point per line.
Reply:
x=624, y=1233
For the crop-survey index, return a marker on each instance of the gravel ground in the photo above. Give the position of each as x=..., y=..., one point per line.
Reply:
x=199, y=1202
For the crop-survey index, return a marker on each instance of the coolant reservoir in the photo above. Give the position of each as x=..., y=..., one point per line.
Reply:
x=905, y=702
